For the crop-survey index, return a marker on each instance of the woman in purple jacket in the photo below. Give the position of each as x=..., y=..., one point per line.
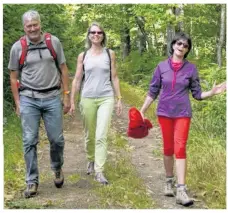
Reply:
x=172, y=80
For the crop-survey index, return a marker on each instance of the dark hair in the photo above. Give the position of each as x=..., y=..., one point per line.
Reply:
x=181, y=36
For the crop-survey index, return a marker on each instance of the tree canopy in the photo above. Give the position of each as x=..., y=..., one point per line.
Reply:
x=137, y=32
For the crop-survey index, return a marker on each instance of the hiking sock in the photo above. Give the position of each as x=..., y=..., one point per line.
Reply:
x=169, y=177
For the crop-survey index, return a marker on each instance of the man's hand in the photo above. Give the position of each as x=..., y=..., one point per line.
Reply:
x=18, y=110
x=66, y=103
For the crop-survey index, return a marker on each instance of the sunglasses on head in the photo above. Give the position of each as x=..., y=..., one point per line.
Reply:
x=179, y=43
x=96, y=32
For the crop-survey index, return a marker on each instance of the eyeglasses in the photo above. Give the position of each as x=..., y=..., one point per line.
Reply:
x=96, y=32
x=179, y=43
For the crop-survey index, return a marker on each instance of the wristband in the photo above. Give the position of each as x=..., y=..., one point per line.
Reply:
x=119, y=97
x=66, y=92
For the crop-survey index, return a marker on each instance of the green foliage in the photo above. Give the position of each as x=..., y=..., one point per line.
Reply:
x=70, y=22
x=210, y=115
x=13, y=157
x=138, y=70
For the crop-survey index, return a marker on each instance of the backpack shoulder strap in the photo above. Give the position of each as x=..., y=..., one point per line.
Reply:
x=110, y=62
x=47, y=37
x=48, y=42
x=24, y=50
x=109, y=55
x=84, y=54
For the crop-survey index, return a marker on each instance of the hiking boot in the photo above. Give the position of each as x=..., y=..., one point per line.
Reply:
x=59, y=179
x=169, y=187
x=182, y=197
x=90, y=168
x=31, y=190
x=99, y=177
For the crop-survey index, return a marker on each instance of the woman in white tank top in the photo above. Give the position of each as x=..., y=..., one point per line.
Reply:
x=97, y=79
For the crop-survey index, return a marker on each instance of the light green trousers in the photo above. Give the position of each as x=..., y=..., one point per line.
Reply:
x=97, y=114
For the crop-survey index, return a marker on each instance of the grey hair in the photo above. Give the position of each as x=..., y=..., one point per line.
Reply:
x=30, y=15
x=88, y=43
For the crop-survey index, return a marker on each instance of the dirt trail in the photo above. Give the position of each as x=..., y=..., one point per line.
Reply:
x=77, y=192
x=148, y=161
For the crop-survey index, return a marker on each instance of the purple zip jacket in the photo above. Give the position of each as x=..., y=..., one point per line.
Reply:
x=174, y=88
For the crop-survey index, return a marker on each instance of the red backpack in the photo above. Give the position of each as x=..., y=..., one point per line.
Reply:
x=47, y=38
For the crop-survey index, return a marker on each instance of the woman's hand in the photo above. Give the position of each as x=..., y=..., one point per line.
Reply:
x=72, y=109
x=119, y=107
x=142, y=114
x=217, y=89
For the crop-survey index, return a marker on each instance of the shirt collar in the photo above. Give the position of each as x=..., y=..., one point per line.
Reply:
x=170, y=60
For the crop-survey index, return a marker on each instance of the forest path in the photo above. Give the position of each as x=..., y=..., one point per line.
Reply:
x=78, y=190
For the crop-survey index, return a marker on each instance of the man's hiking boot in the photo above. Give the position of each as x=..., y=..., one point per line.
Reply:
x=182, y=197
x=169, y=187
x=59, y=179
x=90, y=168
x=99, y=177
x=31, y=190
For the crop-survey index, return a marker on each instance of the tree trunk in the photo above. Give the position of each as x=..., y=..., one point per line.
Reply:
x=170, y=35
x=179, y=11
x=191, y=30
x=142, y=42
x=155, y=46
x=126, y=42
x=221, y=36
x=170, y=30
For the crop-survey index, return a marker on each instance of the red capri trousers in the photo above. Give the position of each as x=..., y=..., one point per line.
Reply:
x=175, y=135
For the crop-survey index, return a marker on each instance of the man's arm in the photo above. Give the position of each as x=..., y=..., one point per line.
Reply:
x=65, y=82
x=14, y=89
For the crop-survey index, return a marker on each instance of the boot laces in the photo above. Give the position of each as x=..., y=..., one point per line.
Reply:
x=101, y=178
x=169, y=184
x=91, y=165
x=184, y=194
x=57, y=174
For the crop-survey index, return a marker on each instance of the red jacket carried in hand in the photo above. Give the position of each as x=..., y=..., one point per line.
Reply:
x=138, y=127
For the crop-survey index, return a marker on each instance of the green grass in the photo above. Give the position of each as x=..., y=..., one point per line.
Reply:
x=74, y=178
x=206, y=163
x=30, y=204
x=206, y=150
x=158, y=153
x=14, y=169
x=207, y=169
x=135, y=96
x=126, y=190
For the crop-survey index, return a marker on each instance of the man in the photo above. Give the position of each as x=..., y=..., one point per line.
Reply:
x=39, y=96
